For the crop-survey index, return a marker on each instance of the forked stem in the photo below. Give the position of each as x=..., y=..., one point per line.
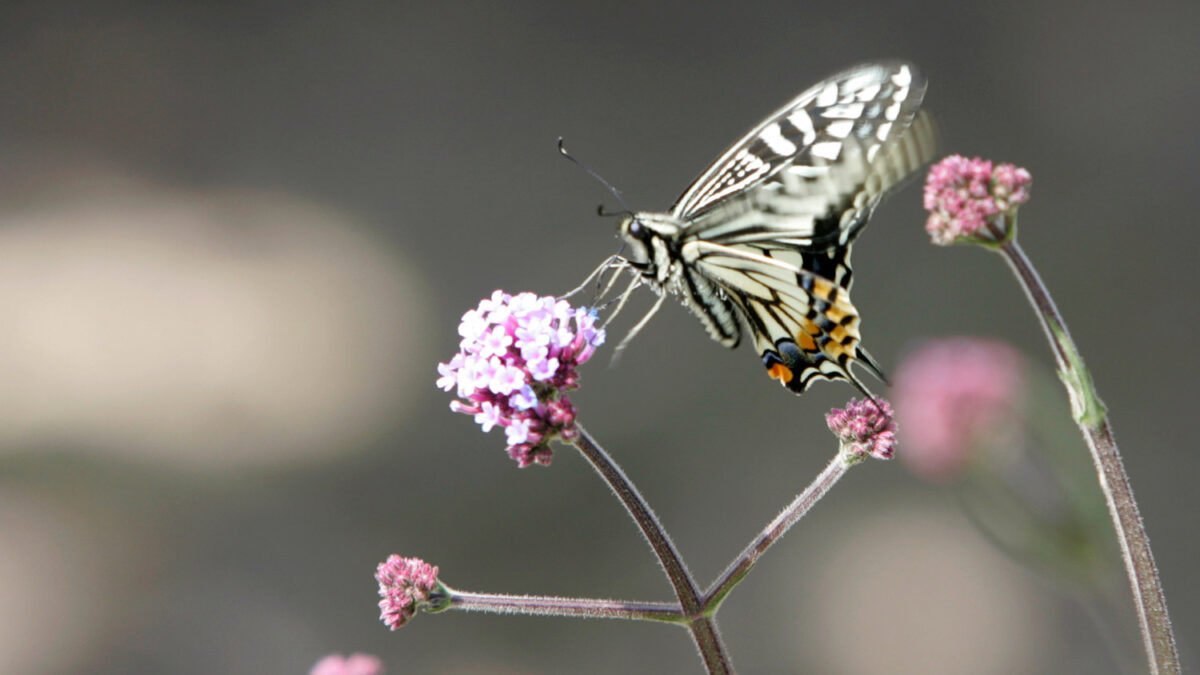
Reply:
x=800, y=506
x=699, y=622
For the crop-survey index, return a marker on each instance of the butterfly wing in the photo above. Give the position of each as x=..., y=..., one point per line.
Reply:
x=772, y=221
x=863, y=107
x=804, y=325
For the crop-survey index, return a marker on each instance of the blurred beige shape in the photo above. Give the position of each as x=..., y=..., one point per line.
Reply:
x=920, y=592
x=65, y=585
x=218, y=329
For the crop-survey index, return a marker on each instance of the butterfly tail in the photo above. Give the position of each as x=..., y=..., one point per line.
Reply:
x=872, y=366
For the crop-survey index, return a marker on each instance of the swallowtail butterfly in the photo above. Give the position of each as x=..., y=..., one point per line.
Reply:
x=765, y=232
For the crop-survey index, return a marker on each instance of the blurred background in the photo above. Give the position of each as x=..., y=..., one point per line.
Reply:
x=235, y=239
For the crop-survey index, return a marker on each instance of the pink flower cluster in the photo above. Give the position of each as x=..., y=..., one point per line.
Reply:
x=952, y=394
x=405, y=585
x=865, y=428
x=355, y=664
x=517, y=355
x=963, y=196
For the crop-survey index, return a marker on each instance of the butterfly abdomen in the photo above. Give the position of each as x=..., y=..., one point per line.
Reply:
x=710, y=304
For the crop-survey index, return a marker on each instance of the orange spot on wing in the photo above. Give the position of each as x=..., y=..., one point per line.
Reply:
x=780, y=372
x=822, y=288
x=838, y=352
x=835, y=315
x=806, y=338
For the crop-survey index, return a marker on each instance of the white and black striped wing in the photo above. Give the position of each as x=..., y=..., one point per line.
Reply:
x=809, y=155
x=772, y=221
x=804, y=325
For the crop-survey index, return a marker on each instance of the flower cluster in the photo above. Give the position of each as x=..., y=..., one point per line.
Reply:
x=517, y=355
x=972, y=200
x=406, y=585
x=355, y=664
x=864, y=428
x=954, y=393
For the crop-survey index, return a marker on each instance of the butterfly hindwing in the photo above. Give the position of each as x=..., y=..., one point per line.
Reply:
x=803, y=323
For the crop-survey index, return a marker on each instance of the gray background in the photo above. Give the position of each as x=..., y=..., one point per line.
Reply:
x=428, y=129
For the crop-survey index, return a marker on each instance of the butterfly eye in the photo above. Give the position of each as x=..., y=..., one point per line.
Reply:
x=635, y=229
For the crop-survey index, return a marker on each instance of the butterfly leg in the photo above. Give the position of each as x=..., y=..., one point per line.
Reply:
x=622, y=299
x=609, y=263
x=639, y=326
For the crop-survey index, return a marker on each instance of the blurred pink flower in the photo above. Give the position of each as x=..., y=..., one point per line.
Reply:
x=952, y=393
x=355, y=664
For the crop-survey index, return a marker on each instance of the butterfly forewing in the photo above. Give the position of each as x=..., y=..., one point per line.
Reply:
x=864, y=106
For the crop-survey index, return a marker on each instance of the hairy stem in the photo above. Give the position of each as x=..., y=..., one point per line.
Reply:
x=801, y=505
x=552, y=606
x=1092, y=418
x=701, y=624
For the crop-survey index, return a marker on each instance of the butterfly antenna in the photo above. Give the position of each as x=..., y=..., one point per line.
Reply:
x=616, y=193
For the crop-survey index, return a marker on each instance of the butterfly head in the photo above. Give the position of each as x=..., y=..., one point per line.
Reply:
x=649, y=238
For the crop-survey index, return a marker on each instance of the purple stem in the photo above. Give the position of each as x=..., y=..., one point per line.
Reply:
x=774, y=530
x=552, y=606
x=698, y=620
x=1144, y=582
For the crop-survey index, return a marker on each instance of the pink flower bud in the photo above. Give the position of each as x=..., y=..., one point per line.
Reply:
x=405, y=585
x=865, y=428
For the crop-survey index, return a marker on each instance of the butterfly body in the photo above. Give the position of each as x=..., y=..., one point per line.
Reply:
x=764, y=234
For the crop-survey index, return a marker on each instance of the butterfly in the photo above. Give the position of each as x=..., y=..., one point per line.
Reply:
x=764, y=233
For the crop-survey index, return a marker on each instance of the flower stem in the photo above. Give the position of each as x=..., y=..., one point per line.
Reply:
x=1092, y=418
x=700, y=623
x=552, y=606
x=800, y=506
